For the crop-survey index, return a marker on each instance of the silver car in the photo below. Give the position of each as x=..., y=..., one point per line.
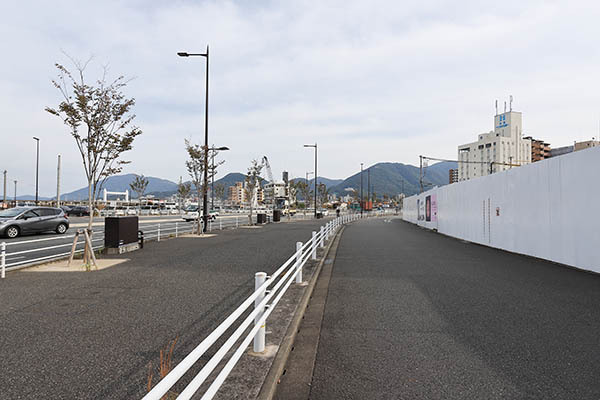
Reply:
x=23, y=220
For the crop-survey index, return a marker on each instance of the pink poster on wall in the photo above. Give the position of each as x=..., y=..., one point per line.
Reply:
x=434, y=208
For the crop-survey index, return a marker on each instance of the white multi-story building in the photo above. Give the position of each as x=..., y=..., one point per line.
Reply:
x=497, y=150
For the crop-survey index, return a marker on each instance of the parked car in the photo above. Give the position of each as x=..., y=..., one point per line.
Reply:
x=23, y=220
x=191, y=213
x=76, y=211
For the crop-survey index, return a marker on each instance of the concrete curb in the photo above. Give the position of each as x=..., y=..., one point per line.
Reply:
x=269, y=387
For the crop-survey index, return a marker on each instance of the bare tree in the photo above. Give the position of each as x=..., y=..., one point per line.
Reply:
x=252, y=183
x=138, y=186
x=304, y=190
x=220, y=191
x=195, y=167
x=323, y=194
x=99, y=119
x=183, y=191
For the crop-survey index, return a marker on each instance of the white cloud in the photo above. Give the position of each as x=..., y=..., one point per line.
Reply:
x=369, y=81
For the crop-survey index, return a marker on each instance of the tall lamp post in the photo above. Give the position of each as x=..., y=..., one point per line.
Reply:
x=361, y=188
x=37, y=167
x=15, y=193
x=205, y=187
x=315, y=146
x=212, y=172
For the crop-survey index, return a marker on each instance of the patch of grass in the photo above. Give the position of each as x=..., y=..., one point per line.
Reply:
x=164, y=367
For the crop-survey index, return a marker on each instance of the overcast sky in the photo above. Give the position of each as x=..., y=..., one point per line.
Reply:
x=370, y=81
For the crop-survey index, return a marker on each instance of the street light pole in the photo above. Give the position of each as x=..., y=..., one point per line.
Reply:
x=37, y=168
x=205, y=187
x=361, y=188
x=316, y=175
x=15, y=193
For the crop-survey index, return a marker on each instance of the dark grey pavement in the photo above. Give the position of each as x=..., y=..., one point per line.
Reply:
x=411, y=314
x=78, y=335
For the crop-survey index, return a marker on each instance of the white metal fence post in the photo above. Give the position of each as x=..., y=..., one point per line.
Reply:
x=259, y=339
x=158, y=232
x=298, y=258
x=176, y=230
x=220, y=224
x=236, y=221
x=327, y=230
x=314, y=246
x=322, y=237
x=3, y=259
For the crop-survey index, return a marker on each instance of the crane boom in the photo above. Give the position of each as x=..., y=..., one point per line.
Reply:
x=268, y=167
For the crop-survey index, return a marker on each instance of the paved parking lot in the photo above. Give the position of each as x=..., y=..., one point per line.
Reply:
x=92, y=335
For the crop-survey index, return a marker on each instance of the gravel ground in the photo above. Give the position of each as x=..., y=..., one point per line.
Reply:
x=412, y=314
x=67, y=335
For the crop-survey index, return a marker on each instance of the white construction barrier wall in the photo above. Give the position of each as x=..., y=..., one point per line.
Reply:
x=548, y=209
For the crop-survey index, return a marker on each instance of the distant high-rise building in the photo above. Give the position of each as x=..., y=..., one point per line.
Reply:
x=496, y=150
x=559, y=151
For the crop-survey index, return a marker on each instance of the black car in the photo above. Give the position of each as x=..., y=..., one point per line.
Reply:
x=76, y=211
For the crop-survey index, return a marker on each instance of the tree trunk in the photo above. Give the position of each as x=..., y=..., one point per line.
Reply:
x=86, y=253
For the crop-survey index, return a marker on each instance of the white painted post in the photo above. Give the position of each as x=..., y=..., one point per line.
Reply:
x=176, y=230
x=3, y=259
x=298, y=258
x=259, y=339
x=314, y=246
x=322, y=238
x=327, y=228
x=236, y=221
x=220, y=224
x=159, y=232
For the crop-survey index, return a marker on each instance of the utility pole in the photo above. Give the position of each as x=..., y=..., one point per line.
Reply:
x=368, y=185
x=4, y=196
x=15, y=193
x=37, y=168
x=58, y=183
x=421, y=173
x=361, y=188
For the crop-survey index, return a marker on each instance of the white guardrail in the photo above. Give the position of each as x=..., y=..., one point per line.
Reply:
x=268, y=291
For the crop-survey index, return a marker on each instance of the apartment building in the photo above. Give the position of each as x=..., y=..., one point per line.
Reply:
x=540, y=150
x=452, y=175
x=498, y=150
x=237, y=194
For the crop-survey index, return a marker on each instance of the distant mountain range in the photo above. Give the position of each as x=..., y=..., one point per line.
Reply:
x=386, y=178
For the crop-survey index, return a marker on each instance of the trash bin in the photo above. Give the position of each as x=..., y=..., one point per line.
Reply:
x=319, y=215
x=276, y=215
x=121, y=234
x=261, y=218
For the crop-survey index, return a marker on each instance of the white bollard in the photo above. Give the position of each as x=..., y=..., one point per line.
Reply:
x=220, y=224
x=236, y=222
x=158, y=233
x=259, y=339
x=176, y=229
x=298, y=258
x=314, y=246
x=3, y=259
x=322, y=238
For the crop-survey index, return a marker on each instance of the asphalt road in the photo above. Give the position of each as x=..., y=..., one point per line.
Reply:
x=412, y=314
x=92, y=335
x=60, y=244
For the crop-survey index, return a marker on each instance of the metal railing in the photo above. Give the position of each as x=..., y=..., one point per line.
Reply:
x=268, y=291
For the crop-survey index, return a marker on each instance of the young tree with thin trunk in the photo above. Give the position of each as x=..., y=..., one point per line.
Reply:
x=252, y=184
x=220, y=191
x=195, y=167
x=183, y=192
x=98, y=116
x=323, y=194
x=304, y=190
x=138, y=186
